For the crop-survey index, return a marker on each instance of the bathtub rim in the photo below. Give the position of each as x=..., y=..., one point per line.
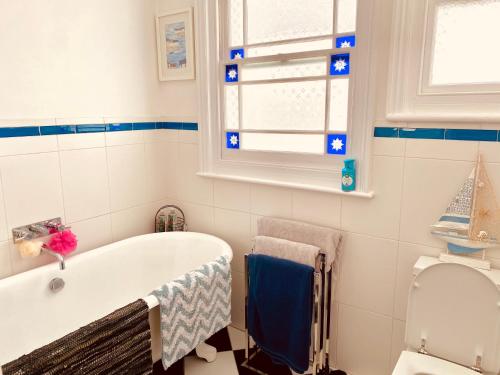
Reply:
x=54, y=266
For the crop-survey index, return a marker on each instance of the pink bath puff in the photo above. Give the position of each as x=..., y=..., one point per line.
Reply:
x=63, y=242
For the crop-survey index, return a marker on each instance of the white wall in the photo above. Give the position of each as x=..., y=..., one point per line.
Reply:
x=73, y=58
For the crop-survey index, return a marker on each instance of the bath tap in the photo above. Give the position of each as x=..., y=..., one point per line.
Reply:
x=59, y=257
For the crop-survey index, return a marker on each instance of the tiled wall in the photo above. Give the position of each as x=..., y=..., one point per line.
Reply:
x=106, y=185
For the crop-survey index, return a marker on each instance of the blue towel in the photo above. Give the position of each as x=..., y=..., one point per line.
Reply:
x=280, y=299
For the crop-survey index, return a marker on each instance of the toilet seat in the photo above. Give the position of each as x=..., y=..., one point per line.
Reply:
x=453, y=314
x=411, y=363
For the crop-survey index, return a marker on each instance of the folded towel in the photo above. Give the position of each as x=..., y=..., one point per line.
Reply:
x=327, y=239
x=280, y=298
x=284, y=249
x=193, y=308
x=119, y=343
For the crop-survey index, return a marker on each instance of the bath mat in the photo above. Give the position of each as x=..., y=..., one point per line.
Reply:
x=119, y=343
x=193, y=308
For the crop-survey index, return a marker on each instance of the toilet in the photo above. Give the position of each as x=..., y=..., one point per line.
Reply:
x=453, y=321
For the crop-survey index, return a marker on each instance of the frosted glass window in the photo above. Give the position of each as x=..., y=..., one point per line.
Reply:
x=231, y=106
x=288, y=19
x=284, y=69
x=346, y=16
x=313, y=45
x=306, y=143
x=284, y=106
x=466, y=42
x=339, y=104
x=235, y=22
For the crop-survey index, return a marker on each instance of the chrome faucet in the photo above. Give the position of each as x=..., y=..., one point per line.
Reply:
x=59, y=257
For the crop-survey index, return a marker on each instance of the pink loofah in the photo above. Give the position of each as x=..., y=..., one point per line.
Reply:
x=63, y=242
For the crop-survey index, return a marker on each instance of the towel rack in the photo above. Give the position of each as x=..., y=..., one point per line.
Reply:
x=322, y=298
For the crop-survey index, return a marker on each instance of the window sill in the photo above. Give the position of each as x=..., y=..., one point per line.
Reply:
x=291, y=185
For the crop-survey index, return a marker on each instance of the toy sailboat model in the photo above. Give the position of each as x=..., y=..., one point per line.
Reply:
x=471, y=222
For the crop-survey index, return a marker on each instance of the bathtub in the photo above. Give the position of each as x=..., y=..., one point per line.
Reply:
x=96, y=283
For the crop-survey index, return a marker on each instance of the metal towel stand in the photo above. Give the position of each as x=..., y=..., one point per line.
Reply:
x=321, y=320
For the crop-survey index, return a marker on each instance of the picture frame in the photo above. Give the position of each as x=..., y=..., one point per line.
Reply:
x=175, y=45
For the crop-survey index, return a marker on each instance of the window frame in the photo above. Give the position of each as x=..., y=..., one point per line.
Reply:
x=411, y=97
x=322, y=172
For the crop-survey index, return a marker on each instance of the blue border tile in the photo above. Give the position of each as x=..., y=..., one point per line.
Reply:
x=472, y=135
x=22, y=131
x=421, y=133
x=144, y=125
x=120, y=127
x=381, y=132
x=91, y=128
x=57, y=129
x=171, y=125
x=189, y=126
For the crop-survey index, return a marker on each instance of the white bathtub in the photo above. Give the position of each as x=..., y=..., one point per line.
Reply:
x=97, y=283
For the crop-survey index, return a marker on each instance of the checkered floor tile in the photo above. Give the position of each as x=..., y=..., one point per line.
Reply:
x=230, y=345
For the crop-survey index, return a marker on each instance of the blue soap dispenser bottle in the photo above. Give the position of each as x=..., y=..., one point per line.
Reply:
x=349, y=175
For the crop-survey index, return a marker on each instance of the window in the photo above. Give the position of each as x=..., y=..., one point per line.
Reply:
x=287, y=69
x=445, y=50
x=284, y=73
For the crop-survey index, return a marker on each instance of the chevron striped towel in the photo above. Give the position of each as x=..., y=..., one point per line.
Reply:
x=193, y=308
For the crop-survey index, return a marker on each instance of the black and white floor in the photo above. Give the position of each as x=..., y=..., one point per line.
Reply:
x=230, y=344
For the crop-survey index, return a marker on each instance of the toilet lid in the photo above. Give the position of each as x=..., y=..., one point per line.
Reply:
x=456, y=309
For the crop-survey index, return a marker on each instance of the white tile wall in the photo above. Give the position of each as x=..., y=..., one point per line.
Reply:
x=106, y=193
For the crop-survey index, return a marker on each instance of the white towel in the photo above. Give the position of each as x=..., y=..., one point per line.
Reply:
x=193, y=308
x=327, y=239
x=284, y=249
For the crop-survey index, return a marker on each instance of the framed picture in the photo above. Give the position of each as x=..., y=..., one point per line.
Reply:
x=175, y=43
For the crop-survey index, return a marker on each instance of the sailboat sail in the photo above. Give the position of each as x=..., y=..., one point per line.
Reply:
x=471, y=222
x=455, y=221
x=485, y=214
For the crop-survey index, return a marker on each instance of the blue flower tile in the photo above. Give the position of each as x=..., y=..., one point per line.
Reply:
x=340, y=65
x=237, y=54
x=347, y=41
x=232, y=73
x=233, y=140
x=336, y=144
x=57, y=129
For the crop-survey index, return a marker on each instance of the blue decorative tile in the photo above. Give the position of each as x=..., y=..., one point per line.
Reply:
x=472, y=135
x=336, y=144
x=119, y=127
x=381, y=132
x=144, y=125
x=421, y=133
x=57, y=129
x=340, y=64
x=22, y=131
x=233, y=140
x=347, y=41
x=96, y=128
x=232, y=73
x=237, y=54
x=171, y=125
x=189, y=126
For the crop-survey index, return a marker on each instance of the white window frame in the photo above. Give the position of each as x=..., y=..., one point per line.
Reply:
x=284, y=169
x=410, y=95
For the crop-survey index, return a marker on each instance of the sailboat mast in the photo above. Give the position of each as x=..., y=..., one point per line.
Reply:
x=474, y=196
